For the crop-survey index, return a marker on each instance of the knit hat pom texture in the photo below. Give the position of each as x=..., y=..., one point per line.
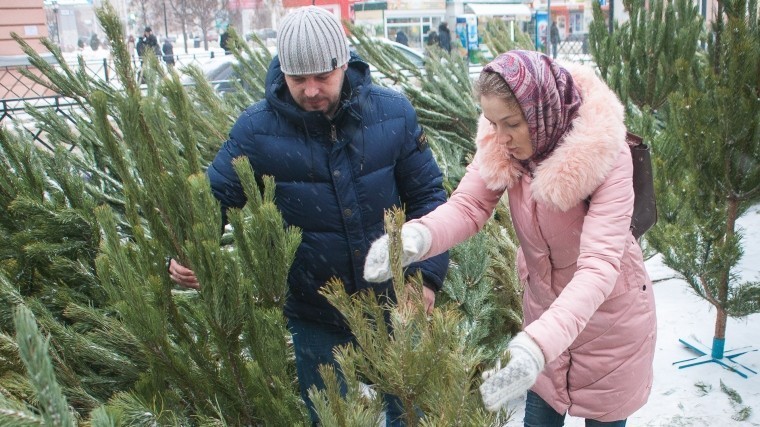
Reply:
x=311, y=41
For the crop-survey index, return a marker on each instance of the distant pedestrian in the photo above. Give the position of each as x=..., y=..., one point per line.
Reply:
x=444, y=36
x=94, y=42
x=554, y=38
x=432, y=39
x=168, y=51
x=148, y=41
x=401, y=38
x=224, y=42
x=131, y=44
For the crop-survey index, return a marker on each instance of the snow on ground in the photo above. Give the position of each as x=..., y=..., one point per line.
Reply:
x=676, y=400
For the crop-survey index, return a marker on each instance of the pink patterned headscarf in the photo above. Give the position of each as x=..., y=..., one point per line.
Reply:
x=546, y=93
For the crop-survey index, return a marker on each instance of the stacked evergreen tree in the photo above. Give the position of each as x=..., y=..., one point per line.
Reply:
x=427, y=361
x=501, y=36
x=85, y=231
x=482, y=280
x=88, y=233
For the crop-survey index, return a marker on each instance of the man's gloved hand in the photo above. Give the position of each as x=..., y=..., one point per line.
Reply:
x=525, y=363
x=416, y=240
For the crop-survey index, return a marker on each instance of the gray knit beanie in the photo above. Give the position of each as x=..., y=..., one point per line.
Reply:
x=311, y=40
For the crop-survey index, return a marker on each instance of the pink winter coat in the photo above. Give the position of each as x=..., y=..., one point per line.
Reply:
x=588, y=301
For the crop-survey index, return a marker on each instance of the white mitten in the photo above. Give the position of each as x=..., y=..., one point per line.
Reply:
x=416, y=240
x=525, y=363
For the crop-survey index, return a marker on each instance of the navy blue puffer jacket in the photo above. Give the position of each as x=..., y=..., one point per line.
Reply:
x=334, y=179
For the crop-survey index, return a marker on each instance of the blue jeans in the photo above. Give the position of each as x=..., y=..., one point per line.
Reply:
x=538, y=413
x=313, y=344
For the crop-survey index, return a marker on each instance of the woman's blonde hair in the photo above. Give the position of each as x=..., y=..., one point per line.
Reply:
x=491, y=83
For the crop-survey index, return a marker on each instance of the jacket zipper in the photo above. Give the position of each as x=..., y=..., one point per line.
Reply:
x=333, y=134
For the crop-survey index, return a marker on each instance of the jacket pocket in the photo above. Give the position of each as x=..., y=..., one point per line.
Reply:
x=632, y=272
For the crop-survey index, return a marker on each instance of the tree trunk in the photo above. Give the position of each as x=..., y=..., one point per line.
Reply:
x=719, y=339
x=720, y=322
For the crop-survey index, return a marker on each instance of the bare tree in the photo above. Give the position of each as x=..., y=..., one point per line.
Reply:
x=142, y=8
x=235, y=17
x=183, y=16
x=204, y=13
x=275, y=10
x=201, y=14
x=165, y=17
x=148, y=13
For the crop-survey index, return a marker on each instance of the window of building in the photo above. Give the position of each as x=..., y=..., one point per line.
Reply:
x=576, y=23
x=415, y=26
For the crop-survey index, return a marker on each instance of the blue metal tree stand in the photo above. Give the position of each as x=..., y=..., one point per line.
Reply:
x=708, y=355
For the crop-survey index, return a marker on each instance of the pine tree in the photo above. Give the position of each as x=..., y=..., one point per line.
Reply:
x=713, y=146
x=700, y=110
x=50, y=239
x=645, y=60
x=33, y=348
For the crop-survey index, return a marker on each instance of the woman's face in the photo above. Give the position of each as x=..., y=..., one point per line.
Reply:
x=509, y=124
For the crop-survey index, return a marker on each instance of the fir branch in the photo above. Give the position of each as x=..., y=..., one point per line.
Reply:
x=702, y=388
x=499, y=38
x=112, y=26
x=66, y=82
x=33, y=349
x=17, y=415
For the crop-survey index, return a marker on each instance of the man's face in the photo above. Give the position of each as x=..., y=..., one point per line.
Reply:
x=317, y=92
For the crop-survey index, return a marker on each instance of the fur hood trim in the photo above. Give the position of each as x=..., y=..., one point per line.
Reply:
x=582, y=159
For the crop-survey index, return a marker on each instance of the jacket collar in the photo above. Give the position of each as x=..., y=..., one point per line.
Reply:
x=582, y=159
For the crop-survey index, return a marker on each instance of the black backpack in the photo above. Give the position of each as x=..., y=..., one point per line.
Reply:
x=644, y=203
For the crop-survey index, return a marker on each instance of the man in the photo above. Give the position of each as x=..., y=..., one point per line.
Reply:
x=341, y=150
x=554, y=38
x=444, y=36
x=147, y=41
x=432, y=39
x=94, y=42
x=402, y=38
x=168, y=50
x=224, y=42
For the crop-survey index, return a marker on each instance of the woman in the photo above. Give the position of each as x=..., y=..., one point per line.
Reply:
x=553, y=138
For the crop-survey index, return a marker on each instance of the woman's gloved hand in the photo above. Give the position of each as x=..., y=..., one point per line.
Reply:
x=416, y=240
x=526, y=361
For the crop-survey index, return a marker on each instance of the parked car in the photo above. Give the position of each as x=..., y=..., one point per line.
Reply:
x=418, y=59
x=220, y=72
x=263, y=34
x=412, y=55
